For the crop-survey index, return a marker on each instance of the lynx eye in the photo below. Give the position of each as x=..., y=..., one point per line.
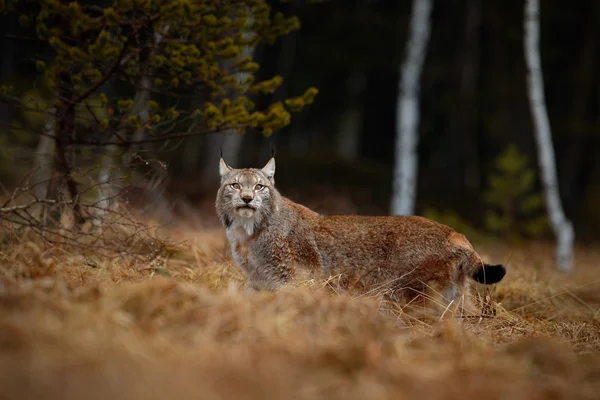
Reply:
x=235, y=186
x=259, y=187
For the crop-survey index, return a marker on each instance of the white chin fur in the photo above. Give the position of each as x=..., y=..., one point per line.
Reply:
x=246, y=212
x=246, y=219
x=247, y=225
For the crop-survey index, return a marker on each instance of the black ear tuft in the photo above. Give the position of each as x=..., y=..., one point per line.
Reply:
x=272, y=148
x=490, y=274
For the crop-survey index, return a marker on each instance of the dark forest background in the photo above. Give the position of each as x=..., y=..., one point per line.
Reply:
x=337, y=155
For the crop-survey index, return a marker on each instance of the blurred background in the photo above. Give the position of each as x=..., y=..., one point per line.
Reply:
x=477, y=160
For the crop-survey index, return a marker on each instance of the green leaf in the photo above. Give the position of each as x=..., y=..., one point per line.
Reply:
x=24, y=21
x=124, y=105
x=40, y=65
x=511, y=197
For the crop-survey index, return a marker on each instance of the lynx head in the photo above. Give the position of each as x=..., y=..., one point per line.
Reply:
x=246, y=195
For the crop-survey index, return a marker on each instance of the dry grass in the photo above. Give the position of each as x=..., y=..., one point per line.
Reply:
x=74, y=326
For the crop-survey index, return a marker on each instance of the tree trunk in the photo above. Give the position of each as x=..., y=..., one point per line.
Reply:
x=350, y=127
x=351, y=120
x=190, y=155
x=65, y=133
x=285, y=66
x=229, y=141
x=141, y=100
x=563, y=229
x=407, y=111
x=7, y=66
x=233, y=140
x=104, y=190
x=42, y=165
x=467, y=114
x=111, y=168
x=580, y=135
x=140, y=108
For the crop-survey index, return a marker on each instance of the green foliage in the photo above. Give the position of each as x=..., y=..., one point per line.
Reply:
x=6, y=89
x=35, y=103
x=515, y=209
x=180, y=47
x=18, y=134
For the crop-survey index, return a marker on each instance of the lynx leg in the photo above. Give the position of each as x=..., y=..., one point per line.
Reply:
x=457, y=293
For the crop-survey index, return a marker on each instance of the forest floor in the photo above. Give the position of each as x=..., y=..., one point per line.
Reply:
x=76, y=326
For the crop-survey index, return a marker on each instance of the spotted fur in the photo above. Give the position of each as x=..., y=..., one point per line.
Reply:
x=272, y=239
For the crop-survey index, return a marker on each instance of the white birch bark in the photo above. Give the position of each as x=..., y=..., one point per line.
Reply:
x=43, y=157
x=350, y=126
x=407, y=110
x=110, y=168
x=230, y=140
x=285, y=66
x=7, y=67
x=42, y=168
x=234, y=140
x=562, y=227
x=231, y=143
x=104, y=196
x=111, y=165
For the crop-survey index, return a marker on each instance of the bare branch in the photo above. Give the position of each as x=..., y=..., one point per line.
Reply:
x=152, y=139
x=26, y=206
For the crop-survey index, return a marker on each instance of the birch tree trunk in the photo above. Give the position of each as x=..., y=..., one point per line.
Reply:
x=111, y=168
x=7, y=67
x=42, y=168
x=285, y=66
x=229, y=140
x=467, y=115
x=407, y=110
x=350, y=126
x=562, y=227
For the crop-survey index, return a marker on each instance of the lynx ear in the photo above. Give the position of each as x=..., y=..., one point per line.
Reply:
x=269, y=169
x=224, y=169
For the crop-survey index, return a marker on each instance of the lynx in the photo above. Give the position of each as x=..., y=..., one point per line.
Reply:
x=273, y=239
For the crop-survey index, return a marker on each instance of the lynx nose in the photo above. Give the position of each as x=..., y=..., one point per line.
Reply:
x=247, y=199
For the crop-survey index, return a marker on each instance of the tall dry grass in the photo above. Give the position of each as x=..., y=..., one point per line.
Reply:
x=73, y=325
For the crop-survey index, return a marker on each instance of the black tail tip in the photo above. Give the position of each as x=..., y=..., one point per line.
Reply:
x=490, y=274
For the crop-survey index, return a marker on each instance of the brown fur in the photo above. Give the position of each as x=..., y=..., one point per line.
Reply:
x=273, y=239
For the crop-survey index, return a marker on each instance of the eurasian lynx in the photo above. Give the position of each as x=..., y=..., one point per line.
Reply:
x=272, y=239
